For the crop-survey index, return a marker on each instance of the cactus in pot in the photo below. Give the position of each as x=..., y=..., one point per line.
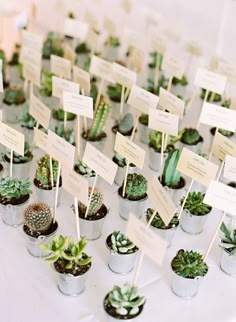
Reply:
x=42, y=176
x=172, y=177
x=38, y=217
x=14, y=95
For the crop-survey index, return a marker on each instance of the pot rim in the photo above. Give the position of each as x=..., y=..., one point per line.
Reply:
x=41, y=237
x=20, y=204
x=188, y=278
x=189, y=213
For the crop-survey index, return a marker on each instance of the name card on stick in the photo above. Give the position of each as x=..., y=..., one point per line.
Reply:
x=196, y=167
x=129, y=150
x=210, y=81
x=60, y=66
x=221, y=196
x=134, y=39
x=39, y=111
x=158, y=42
x=109, y=26
x=32, y=40
x=233, y=103
x=61, y=150
x=172, y=103
x=230, y=168
x=123, y=75
x=78, y=104
x=81, y=77
x=161, y=200
x=30, y=55
x=163, y=121
x=100, y=163
x=145, y=239
x=173, y=66
x=101, y=68
x=60, y=85
x=75, y=28
x=1, y=79
x=11, y=138
x=222, y=146
x=218, y=116
x=32, y=73
x=69, y=53
x=142, y=99
x=41, y=140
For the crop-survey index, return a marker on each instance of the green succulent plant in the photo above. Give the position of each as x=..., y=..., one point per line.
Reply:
x=17, y=158
x=125, y=300
x=53, y=45
x=46, y=84
x=15, y=56
x=217, y=97
x=126, y=123
x=155, y=141
x=114, y=92
x=14, y=95
x=228, y=239
x=68, y=134
x=27, y=120
x=87, y=64
x=162, y=82
x=182, y=82
x=136, y=186
x=112, y=41
x=94, y=92
x=59, y=115
x=189, y=264
x=42, y=175
x=82, y=49
x=121, y=244
x=190, y=136
x=143, y=119
x=153, y=63
x=119, y=160
x=171, y=177
x=157, y=221
x=226, y=103
x=95, y=205
x=82, y=168
x=99, y=122
x=70, y=255
x=38, y=217
x=12, y=188
x=195, y=205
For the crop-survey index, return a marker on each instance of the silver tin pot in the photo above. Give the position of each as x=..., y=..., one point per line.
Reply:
x=92, y=229
x=48, y=196
x=176, y=194
x=34, y=242
x=115, y=110
x=166, y=234
x=111, y=53
x=99, y=145
x=11, y=113
x=228, y=263
x=192, y=224
x=127, y=206
x=120, y=174
x=71, y=285
x=144, y=132
x=155, y=159
x=185, y=287
x=20, y=170
x=29, y=135
x=13, y=215
x=194, y=148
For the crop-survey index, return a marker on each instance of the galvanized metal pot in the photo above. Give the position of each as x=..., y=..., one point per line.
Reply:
x=127, y=206
x=11, y=113
x=144, y=132
x=166, y=234
x=92, y=229
x=228, y=263
x=120, y=174
x=192, y=224
x=155, y=159
x=48, y=196
x=20, y=170
x=13, y=215
x=176, y=194
x=185, y=287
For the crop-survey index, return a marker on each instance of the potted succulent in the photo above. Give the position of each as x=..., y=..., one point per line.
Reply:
x=194, y=213
x=114, y=94
x=59, y=114
x=182, y=82
x=82, y=169
x=228, y=245
x=188, y=269
x=162, y=82
x=122, y=253
x=120, y=173
x=46, y=84
x=135, y=196
x=217, y=97
x=82, y=51
x=43, y=181
x=152, y=64
x=14, y=197
x=66, y=133
x=38, y=227
x=112, y=45
x=52, y=45
x=143, y=128
x=123, y=303
x=13, y=103
x=191, y=138
x=96, y=135
x=91, y=226
x=158, y=226
x=125, y=126
x=70, y=263
x=21, y=163
x=27, y=122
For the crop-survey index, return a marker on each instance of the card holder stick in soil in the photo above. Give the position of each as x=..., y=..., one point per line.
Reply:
x=51, y=170
x=91, y=195
x=170, y=83
x=25, y=86
x=211, y=151
x=135, y=126
x=99, y=94
x=162, y=155
x=57, y=190
x=84, y=118
x=33, y=143
x=156, y=76
x=185, y=198
x=77, y=218
x=205, y=99
x=221, y=168
x=11, y=163
x=122, y=99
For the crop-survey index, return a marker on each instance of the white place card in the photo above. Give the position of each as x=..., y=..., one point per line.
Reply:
x=222, y=146
x=123, y=76
x=193, y=48
x=12, y=139
x=227, y=69
x=82, y=77
x=218, y=116
x=136, y=59
x=161, y=200
x=230, y=168
x=134, y=39
x=32, y=40
x=61, y=150
x=163, y=121
x=41, y=140
x=92, y=39
x=60, y=66
x=210, y=81
x=92, y=19
x=126, y=5
x=129, y=150
x=145, y=239
x=60, y=85
x=30, y=55
x=39, y=111
x=158, y=42
x=171, y=103
x=76, y=29
x=142, y=100
x=173, y=66
x=221, y=196
x=109, y=26
x=100, y=163
x=233, y=104
x=1, y=78
x=32, y=73
x=197, y=167
x=101, y=68
x=69, y=53
x=78, y=104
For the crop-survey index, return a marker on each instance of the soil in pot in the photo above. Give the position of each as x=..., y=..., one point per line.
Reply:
x=53, y=227
x=223, y=132
x=180, y=185
x=14, y=201
x=115, y=129
x=99, y=215
x=131, y=199
x=39, y=185
x=85, y=136
x=76, y=270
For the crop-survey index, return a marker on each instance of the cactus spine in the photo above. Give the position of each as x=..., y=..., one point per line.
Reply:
x=99, y=122
x=38, y=217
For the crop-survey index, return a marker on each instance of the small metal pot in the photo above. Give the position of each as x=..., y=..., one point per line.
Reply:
x=20, y=170
x=120, y=174
x=155, y=159
x=228, y=263
x=33, y=243
x=185, y=287
x=176, y=194
x=192, y=224
x=48, y=196
x=194, y=147
x=92, y=229
x=13, y=215
x=115, y=110
x=144, y=132
x=166, y=234
x=11, y=113
x=99, y=145
x=127, y=206
x=29, y=135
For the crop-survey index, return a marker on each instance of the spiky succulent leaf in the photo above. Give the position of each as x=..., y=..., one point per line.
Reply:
x=228, y=238
x=14, y=188
x=99, y=121
x=95, y=205
x=171, y=177
x=195, y=205
x=136, y=186
x=42, y=174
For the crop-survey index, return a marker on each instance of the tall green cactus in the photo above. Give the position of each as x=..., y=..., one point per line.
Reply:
x=171, y=176
x=99, y=121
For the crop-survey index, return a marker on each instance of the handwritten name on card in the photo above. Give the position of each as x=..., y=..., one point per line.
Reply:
x=222, y=146
x=221, y=196
x=145, y=239
x=75, y=184
x=173, y=66
x=142, y=99
x=61, y=150
x=60, y=66
x=161, y=200
x=60, y=85
x=32, y=40
x=41, y=140
x=11, y=138
x=32, y=73
x=218, y=116
x=129, y=150
x=230, y=168
x=123, y=76
x=39, y=111
x=101, y=68
x=163, y=121
x=75, y=28
x=100, y=163
x=196, y=167
x=171, y=103
x=82, y=77
x=30, y=55
x=78, y=104
x=210, y=81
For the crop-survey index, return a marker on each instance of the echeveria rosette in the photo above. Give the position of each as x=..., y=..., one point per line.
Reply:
x=12, y=188
x=228, y=238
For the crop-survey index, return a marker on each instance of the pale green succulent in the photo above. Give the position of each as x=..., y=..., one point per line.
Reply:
x=83, y=169
x=121, y=244
x=228, y=238
x=27, y=120
x=68, y=134
x=17, y=158
x=12, y=188
x=195, y=205
x=157, y=221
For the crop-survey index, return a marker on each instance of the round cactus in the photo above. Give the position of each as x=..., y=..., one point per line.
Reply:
x=38, y=217
x=95, y=205
x=191, y=136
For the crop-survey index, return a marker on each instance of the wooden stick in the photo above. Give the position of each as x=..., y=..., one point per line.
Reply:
x=220, y=170
x=84, y=118
x=99, y=93
x=156, y=75
x=185, y=198
x=135, y=126
x=125, y=179
x=57, y=190
x=91, y=195
x=211, y=152
x=11, y=163
x=77, y=218
x=78, y=136
x=191, y=100
x=37, y=126
x=212, y=97
x=206, y=95
x=127, y=94
x=25, y=86
x=214, y=237
x=122, y=100
x=51, y=171
x=170, y=83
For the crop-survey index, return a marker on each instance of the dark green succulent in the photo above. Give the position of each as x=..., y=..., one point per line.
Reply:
x=94, y=92
x=46, y=84
x=136, y=186
x=17, y=158
x=182, y=82
x=190, y=136
x=143, y=119
x=114, y=92
x=82, y=49
x=228, y=238
x=42, y=175
x=99, y=122
x=121, y=244
x=162, y=82
x=14, y=95
x=112, y=41
x=27, y=120
x=217, y=97
x=195, y=205
x=157, y=221
x=155, y=141
x=189, y=264
x=119, y=160
x=12, y=188
x=153, y=63
x=53, y=45
x=68, y=134
x=15, y=56
x=171, y=177
x=82, y=168
x=87, y=64
x=59, y=115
